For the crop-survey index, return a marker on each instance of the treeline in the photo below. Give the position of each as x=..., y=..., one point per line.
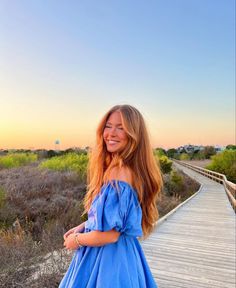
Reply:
x=198, y=154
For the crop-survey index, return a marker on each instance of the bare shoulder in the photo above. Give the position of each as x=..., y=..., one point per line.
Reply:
x=123, y=174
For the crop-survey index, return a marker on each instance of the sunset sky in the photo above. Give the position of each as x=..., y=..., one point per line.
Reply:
x=63, y=64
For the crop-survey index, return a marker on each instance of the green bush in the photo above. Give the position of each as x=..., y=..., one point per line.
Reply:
x=199, y=156
x=17, y=159
x=184, y=156
x=177, y=181
x=176, y=178
x=209, y=151
x=166, y=164
x=159, y=152
x=68, y=162
x=225, y=163
x=175, y=185
x=176, y=156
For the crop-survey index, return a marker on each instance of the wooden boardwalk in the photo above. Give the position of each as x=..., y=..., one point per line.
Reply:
x=195, y=246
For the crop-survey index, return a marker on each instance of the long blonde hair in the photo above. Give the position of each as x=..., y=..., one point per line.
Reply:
x=137, y=156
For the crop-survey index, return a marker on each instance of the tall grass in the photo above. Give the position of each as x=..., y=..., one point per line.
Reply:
x=68, y=162
x=12, y=160
x=23, y=259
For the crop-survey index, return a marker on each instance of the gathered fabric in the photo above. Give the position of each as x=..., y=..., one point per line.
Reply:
x=121, y=264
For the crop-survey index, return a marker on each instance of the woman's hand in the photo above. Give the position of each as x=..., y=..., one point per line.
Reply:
x=70, y=242
x=77, y=229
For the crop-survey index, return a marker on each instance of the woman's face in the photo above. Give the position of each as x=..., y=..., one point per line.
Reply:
x=114, y=135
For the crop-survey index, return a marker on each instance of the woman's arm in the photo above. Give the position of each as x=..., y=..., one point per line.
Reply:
x=98, y=238
x=93, y=238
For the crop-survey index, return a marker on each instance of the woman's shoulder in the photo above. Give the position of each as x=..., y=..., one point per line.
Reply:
x=123, y=174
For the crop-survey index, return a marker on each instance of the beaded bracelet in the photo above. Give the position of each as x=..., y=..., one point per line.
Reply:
x=77, y=240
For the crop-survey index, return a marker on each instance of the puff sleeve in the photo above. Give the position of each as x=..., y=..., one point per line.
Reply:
x=117, y=209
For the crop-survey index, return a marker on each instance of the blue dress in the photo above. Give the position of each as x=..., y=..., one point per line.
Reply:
x=117, y=265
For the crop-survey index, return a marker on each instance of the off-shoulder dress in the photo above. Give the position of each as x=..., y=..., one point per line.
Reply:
x=117, y=265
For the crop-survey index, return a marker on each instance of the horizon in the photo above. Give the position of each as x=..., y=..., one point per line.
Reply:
x=63, y=66
x=84, y=147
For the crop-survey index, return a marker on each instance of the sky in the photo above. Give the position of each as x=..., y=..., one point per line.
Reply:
x=64, y=64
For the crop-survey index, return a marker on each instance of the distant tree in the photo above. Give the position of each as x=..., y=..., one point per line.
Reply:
x=209, y=151
x=171, y=152
x=160, y=151
x=232, y=147
x=52, y=153
x=69, y=150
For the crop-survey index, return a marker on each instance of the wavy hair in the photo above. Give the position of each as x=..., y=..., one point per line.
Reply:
x=137, y=156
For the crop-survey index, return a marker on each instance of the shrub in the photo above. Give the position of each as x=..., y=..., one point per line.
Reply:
x=199, y=155
x=17, y=159
x=176, y=156
x=225, y=163
x=68, y=162
x=184, y=156
x=165, y=164
x=209, y=151
x=177, y=181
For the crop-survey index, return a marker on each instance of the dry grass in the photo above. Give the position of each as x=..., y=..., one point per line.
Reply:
x=25, y=264
x=38, y=198
x=38, y=207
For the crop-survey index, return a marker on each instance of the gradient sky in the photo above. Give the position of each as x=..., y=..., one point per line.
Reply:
x=63, y=64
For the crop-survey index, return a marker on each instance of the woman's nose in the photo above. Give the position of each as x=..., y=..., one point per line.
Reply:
x=112, y=131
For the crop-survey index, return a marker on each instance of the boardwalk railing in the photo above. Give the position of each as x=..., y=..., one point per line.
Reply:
x=230, y=187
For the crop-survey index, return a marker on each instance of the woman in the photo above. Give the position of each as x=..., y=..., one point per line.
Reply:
x=124, y=182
